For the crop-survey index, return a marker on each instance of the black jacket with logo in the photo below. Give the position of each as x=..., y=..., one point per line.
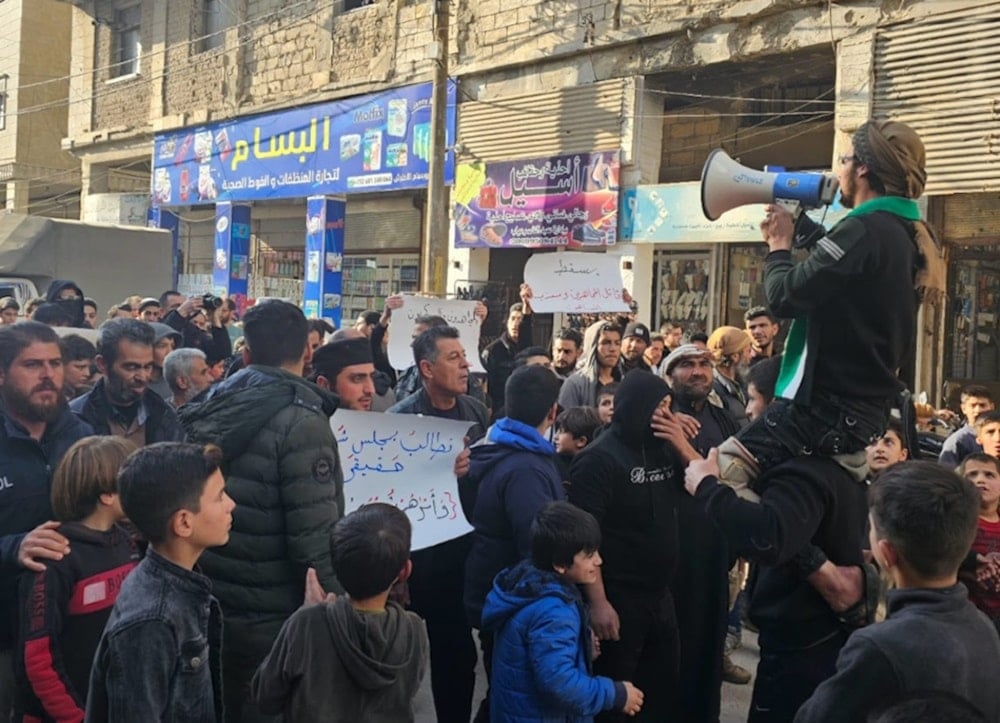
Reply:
x=629, y=481
x=26, y=467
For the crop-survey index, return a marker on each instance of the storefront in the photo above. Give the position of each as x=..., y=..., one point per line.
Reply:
x=321, y=205
x=939, y=75
x=537, y=172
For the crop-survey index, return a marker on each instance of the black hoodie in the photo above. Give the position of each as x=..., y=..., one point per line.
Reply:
x=72, y=307
x=332, y=663
x=629, y=481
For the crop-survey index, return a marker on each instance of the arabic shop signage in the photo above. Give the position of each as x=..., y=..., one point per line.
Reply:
x=378, y=142
x=671, y=213
x=569, y=200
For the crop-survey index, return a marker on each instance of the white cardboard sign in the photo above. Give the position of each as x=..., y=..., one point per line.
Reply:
x=574, y=282
x=406, y=460
x=459, y=314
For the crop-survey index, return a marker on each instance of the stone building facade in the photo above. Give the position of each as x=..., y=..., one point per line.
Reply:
x=660, y=81
x=36, y=176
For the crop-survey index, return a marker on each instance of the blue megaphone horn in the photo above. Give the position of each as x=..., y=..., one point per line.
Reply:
x=726, y=184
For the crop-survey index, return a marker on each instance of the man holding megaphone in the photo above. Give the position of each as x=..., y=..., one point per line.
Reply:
x=854, y=302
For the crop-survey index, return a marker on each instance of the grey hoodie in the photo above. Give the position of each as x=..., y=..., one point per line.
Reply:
x=332, y=663
x=580, y=388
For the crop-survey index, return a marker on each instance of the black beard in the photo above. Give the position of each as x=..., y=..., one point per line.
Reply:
x=118, y=393
x=686, y=398
x=21, y=407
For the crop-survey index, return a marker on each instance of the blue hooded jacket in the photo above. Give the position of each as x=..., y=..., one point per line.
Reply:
x=541, y=653
x=515, y=475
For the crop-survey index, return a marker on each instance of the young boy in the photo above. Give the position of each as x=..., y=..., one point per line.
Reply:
x=575, y=428
x=543, y=643
x=923, y=520
x=983, y=471
x=606, y=402
x=888, y=450
x=988, y=433
x=65, y=607
x=159, y=656
x=362, y=657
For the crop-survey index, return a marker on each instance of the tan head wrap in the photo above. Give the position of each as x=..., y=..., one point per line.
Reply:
x=895, y=153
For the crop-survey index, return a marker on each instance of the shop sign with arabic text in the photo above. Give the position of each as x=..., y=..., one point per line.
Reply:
x=568, y=200
x=377, y=142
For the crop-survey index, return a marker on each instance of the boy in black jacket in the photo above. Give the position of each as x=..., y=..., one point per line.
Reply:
x=923, y=520
x=361, y=657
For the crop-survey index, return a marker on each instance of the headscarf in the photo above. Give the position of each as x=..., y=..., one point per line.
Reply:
x=894, y=152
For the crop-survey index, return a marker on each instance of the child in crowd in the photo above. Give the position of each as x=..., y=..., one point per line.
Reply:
x=543, y=643
x=64, y=607
x=988, y=432
x=983, y=471
x=923, y=520
x=887, y=450
x=575, y=429
x=606, y=402
x=159, y=657
x=362, y=657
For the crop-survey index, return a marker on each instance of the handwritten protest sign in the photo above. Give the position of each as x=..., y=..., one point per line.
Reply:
x=404, y=460
x=459, y=314
x=574, y=282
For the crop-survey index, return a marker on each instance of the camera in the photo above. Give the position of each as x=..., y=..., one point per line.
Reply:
x=210, y=302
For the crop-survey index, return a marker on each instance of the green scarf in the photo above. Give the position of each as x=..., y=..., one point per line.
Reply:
x=793, y=360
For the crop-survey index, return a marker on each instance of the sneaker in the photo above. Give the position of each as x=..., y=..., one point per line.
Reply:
x=733, y=673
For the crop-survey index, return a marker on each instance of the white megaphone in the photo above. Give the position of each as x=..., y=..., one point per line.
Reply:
x=726, y=184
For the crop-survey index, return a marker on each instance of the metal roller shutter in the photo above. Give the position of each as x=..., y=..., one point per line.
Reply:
x=940, y=75
x=569, y=120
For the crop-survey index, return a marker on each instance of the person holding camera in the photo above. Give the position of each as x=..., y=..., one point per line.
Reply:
x=215, y=341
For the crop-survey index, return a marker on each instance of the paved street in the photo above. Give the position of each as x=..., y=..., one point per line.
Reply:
x=735, y=698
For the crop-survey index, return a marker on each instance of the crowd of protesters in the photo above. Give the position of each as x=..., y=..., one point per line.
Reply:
x=174, y=543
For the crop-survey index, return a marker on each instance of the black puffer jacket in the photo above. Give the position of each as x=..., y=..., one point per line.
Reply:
x=282, y=470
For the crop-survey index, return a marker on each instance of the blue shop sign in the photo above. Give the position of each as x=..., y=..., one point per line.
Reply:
x=379, y=142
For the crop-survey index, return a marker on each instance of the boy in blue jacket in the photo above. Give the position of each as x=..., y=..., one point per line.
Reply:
x=543, y=643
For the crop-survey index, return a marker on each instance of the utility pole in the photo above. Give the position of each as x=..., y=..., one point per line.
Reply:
x=434, y=255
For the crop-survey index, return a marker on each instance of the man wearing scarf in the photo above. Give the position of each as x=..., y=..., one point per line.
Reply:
x=854, y=303
x=854, y=300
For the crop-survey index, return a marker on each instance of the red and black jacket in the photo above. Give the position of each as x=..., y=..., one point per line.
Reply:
x=62, y=613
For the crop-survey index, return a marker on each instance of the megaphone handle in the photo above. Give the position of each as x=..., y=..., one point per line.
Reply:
x=807, y=232
x=793, y=207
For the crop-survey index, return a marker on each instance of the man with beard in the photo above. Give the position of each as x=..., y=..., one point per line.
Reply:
x=345, y=367
x=121, y=403
x=705, y=560
x=566, y=352
x=731, y=349
x=635, y=341
x=763, y=327
x=188, y=375
x=602, y=344
x=36, y=429
x=854, y=300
